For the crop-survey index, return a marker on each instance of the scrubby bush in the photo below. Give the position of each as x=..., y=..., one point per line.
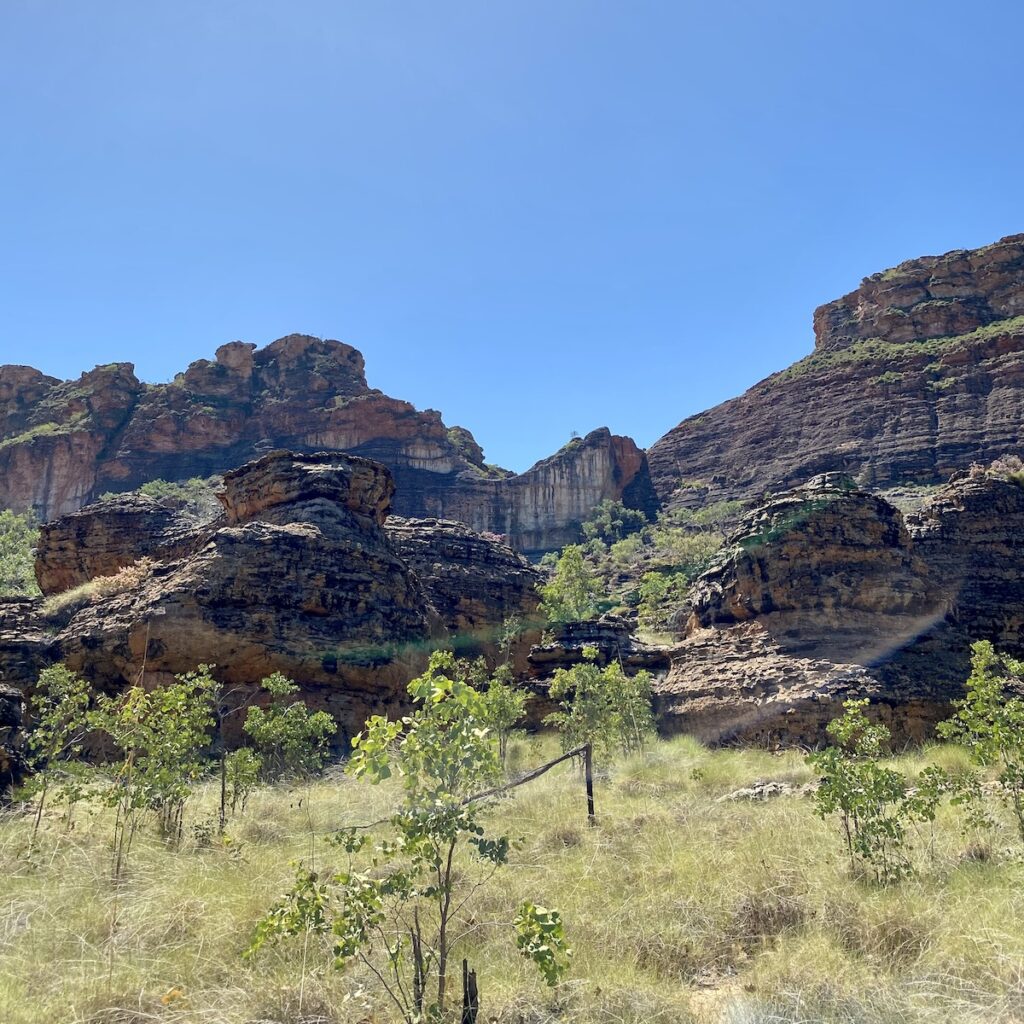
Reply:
x=162, y=736
x=397, y=912
x=18, y=537
x=602, y=707
x=611, y=521
x=989, y=721
x=572, y=593
x=59, y=723
x=872, y=800
x=291, y=740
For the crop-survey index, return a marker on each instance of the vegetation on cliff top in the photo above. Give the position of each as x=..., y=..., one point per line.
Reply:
x=878, y=350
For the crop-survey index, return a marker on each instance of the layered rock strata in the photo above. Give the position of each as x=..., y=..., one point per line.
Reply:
x=477, y=584
x=914, y=375
x=298, y=576
x=102, y=538
x=62, y=443
x=825, y=594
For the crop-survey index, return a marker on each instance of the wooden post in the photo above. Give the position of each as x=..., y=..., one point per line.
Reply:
x=470, y=995
x=588, y=769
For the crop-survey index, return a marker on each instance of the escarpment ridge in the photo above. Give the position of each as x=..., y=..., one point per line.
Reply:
x=64, y=443
x=916, y=374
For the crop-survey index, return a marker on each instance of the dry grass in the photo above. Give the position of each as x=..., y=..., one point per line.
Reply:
x=66, y=603
x=680, y=908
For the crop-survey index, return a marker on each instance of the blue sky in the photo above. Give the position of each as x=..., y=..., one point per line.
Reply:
x=537, y=217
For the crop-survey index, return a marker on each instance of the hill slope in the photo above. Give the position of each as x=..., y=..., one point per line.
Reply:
x=917, y=373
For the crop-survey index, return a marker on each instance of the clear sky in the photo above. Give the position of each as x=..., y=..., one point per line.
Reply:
x=537, y=217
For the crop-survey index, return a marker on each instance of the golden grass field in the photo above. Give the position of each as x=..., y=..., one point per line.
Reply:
x=680, y=907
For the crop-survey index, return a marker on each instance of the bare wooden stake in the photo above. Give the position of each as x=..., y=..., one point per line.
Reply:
x=470, y=995
x=588, y=768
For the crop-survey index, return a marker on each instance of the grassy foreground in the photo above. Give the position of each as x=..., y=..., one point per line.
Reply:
x=680, y=906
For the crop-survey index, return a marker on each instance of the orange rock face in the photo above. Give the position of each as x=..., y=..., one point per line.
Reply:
x=301, y=574
x=64, y=443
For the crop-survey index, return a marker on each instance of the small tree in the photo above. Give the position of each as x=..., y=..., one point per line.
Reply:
x=572, y=593
x=989, y=721
x=873, y=801
x=243, y=769
x=162, y=735
x=18, y=536
x=398, y=913
x=611, y=521
x=291, y=739
x=504, y=706
x=59, y=707
x=602, y=707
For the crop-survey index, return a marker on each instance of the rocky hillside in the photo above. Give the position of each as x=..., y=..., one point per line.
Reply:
x=916, y=374
x=63, y=443
x=300, y=574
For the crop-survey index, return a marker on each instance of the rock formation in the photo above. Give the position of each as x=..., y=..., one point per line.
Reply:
x=825, y=593
x=475, y=582
x=102, y=538
x=63, y=443
x=298, y=576
x=916, y=374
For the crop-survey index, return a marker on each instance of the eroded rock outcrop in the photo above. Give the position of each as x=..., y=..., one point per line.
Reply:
x=100, y=539
x=475, y=582
x=610, y=637
x=301, y=579
x=915, y=375
x=825, y=594
x=62, y=443
x=971, y=535
x=299, y=575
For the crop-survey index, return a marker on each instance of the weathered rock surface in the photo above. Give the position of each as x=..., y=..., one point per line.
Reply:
x=610, y=636
x=823, y=565
x=62, y=443
x=971, y=535
x=12, y=740
x=100, y=539
x=301, y=580
x=916, y=374
x=474, y=581
x=299, y=576
x=824, y=594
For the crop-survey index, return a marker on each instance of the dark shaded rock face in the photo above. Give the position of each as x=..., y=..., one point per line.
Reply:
x=299, y=576
x=971, y=535
x=824, y=564
x=825, y=594
x=62, y=443
x=915, y=375
x=474, y=581
x=610, y=636
x=12, y=740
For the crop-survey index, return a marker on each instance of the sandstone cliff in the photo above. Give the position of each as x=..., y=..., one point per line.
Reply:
x=299, y=575
x=62, y=443
x=916, y=374
x=824, y=594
